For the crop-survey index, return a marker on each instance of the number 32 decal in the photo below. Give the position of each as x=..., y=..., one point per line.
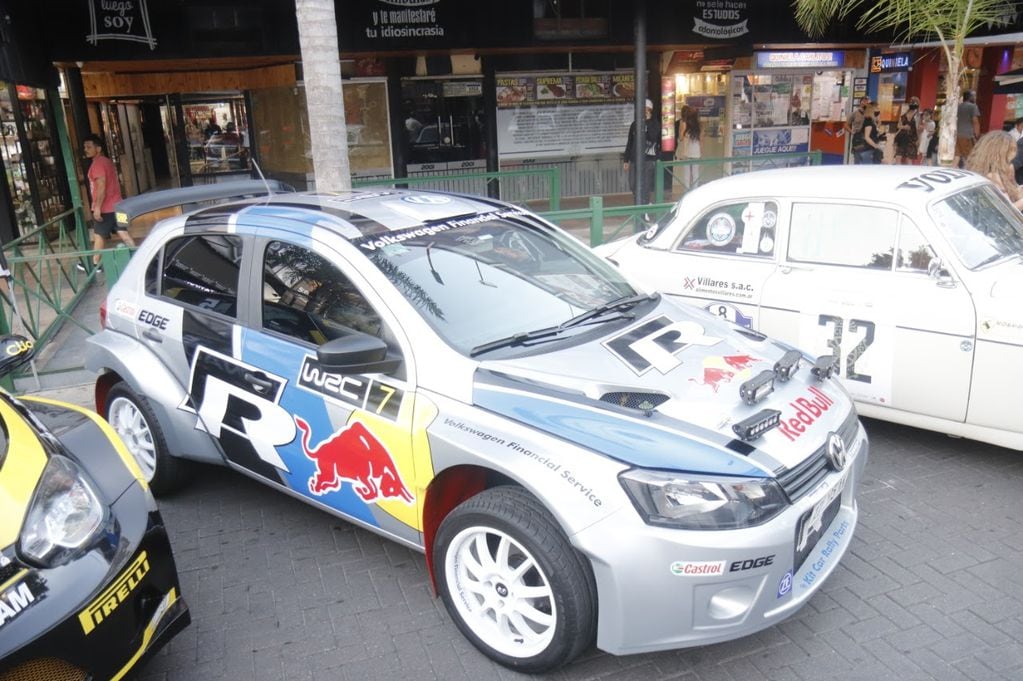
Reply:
x=835, y=343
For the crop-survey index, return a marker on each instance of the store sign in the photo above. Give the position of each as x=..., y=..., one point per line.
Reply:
x=120, y=20
x=404, y=20
x=884, y=63
x=799, y=60
x=721, y=19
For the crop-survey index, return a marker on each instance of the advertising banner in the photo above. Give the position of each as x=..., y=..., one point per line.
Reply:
x=563, y=115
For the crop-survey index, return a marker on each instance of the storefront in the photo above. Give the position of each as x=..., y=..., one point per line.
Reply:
x=35, y=179
x=793, y=102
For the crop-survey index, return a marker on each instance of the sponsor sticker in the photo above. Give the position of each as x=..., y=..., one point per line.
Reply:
x=426, y=199
x=725, y=369
x=15, y=599
x=785, y=585
x=731, y=313
x=751, y=563
x=804, y=414
x=125, y=308
x=353, y=390
x=114, y=595
x=720, y=229
x=657, y=343
x=698, y=568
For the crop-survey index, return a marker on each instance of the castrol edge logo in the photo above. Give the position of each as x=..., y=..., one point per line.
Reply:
x=698, y=568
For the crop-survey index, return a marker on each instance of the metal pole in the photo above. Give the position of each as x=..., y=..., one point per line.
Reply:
x=639, y=107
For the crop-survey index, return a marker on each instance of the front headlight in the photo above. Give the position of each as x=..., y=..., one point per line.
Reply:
x=64, y=517
x=704, y=502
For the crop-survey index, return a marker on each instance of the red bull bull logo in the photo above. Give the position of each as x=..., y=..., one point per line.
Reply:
x=353, y=455
x=739, y=362
x=713, y=376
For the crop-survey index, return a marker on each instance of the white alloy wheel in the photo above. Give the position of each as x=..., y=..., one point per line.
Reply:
x=501, y=592
x=130, y=423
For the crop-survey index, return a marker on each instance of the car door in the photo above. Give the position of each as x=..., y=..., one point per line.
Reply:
x=189, y=299
x=720, y=261
x=345, y=440
x=853, y=282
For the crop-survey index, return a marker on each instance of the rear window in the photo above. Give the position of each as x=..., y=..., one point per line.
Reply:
x=202, y=271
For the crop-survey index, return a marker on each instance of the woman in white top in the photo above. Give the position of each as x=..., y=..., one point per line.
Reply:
x=925, y=130
x=689, y=145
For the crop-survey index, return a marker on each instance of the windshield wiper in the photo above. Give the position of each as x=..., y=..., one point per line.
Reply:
x=616, y=305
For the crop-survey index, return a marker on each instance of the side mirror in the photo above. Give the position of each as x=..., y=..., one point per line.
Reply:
x=936, y=270
x=15, y=351
x=357, y=353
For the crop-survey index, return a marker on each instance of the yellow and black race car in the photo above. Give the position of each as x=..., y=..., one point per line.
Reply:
x=88, y=587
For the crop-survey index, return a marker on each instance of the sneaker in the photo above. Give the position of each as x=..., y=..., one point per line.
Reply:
x=80, y=267
x=98, y=268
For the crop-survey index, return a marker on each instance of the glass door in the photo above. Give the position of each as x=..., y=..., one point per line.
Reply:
x=444, y=126
x=14, y=165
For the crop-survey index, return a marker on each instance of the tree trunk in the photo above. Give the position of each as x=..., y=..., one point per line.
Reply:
x=950, y=112
x=321, y=68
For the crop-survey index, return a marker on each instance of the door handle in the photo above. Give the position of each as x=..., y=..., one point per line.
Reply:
x=260, y=383
x=153, y=335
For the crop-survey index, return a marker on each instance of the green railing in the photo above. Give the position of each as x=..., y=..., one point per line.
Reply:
x=553, y=178
x=723, y=167
x=636, y=218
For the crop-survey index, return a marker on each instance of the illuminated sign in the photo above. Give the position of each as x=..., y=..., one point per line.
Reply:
x=900, y=61
x=799, y=60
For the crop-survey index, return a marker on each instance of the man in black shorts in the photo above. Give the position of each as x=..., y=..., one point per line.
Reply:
x=106, y=193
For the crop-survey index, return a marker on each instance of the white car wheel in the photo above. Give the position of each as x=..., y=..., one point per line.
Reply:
x=133, y=419
x=129, y=422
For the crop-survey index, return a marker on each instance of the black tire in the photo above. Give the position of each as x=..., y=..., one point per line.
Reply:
x=486, y=521
x=133, y=419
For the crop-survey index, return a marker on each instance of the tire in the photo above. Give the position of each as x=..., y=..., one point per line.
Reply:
x=133, y=419
x=526, y=553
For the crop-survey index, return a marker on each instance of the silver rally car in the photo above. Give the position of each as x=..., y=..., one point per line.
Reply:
x=579, y=460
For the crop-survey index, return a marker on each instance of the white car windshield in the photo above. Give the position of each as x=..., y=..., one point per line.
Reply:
x=981, y=225
x=483, y=278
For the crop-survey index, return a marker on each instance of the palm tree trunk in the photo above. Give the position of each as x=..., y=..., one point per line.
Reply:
x=950, y=113
x=321, y=68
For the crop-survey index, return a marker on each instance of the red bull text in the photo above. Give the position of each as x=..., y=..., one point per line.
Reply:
x=353, y=455
x=807, y=411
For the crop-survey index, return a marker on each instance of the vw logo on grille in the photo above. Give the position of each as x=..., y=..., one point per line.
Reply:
x=426, y=199
x=836, y=451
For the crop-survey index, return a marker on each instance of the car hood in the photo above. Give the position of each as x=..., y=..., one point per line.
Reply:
x=663, y=392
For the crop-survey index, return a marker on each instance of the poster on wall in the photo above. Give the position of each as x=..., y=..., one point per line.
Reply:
x=563, y=115
x=720, y=19
x=781, y=141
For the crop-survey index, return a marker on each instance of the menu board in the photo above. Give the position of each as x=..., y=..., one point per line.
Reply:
x=563, y=115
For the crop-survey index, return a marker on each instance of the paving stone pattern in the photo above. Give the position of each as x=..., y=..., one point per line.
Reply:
x=932, y=588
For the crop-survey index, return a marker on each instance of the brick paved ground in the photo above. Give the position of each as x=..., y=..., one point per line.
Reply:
x=931, y=589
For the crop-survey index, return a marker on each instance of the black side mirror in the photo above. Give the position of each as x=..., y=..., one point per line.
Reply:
x=357, y=353
x=15, y=351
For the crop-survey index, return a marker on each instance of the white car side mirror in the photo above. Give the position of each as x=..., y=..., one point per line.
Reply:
x=937, y=271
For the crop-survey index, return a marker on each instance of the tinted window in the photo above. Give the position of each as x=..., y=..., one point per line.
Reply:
x=744, y=228
x=843, y=234
x=308, y=298
x=981, y=225
x=203, y=271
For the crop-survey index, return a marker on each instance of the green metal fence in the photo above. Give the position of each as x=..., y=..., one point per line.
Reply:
x=494, y=179
x=713, y=168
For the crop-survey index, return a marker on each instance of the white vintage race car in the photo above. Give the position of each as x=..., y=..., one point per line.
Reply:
x=911, y=276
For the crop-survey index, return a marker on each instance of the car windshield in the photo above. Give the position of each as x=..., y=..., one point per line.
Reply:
x=981, y=225
x=481, y=278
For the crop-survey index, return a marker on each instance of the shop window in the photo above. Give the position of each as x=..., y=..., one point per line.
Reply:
x=218, y=137
x=570, y=19
x=743, y=228
x=843, y=234
x=309, y=299
x=203, y=271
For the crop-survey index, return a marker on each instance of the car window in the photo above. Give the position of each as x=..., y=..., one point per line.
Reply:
x=202, y=270
x=307, y=297
x=843, y=234
x=980, y=224
x=744, y=228
x=914, y=252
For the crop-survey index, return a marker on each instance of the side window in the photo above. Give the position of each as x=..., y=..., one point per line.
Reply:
x=203, y=271
x=914, y=252
x=843, y=234
x=744, y=228
x=306, y=297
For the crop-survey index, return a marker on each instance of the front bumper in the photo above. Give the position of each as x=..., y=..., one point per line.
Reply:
x=100, y=615
x=660, y=588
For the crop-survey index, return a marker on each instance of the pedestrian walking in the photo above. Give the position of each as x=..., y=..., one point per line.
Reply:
x=967, y=127
x=690, y=143
x=651, y=143
x=854, y=128
x=992, y=157
x=106, y=193
x=907, y=139
x=925, y=132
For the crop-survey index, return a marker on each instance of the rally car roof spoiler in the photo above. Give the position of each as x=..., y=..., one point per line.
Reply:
x=187, y=197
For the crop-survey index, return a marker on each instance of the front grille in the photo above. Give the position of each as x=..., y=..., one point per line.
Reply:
x=632, y=400
x=44, y=669
x=799, y=480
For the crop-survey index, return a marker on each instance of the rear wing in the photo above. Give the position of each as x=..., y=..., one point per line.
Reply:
x=190, y=197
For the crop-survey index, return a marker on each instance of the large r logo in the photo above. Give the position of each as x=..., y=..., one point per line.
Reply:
x=656, y=344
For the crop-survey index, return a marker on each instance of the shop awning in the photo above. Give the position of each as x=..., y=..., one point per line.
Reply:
x=1009, y=83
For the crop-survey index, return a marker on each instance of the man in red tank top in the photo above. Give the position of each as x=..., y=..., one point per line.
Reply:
x=106, y=192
